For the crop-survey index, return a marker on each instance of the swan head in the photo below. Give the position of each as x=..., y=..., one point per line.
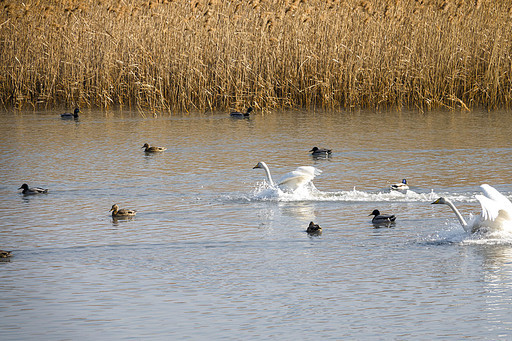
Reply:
x=259, y=165
x=375, y=213
x=440, y=200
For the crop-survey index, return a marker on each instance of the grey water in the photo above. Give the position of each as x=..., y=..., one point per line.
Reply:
x=215, y=253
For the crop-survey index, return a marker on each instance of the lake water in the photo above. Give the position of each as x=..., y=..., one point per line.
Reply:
x=213, y=253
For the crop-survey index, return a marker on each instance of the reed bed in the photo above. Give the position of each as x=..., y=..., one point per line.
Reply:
x=216, y=55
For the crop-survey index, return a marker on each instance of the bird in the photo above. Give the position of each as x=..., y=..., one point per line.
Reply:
x=118, y=213
x=293, y=180
x=5, y=254
x=32, y=190
x=320, y=152
x=402, y=186
x=314, y=228
x=152, y=149
x=496, y=211
x=237, y=114
x=382, y=218
x=71, y=115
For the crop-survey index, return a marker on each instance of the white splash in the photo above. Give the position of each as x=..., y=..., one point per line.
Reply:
x=265, y=191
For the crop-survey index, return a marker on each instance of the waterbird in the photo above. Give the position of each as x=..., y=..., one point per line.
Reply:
x=314, y=228
x=32, y=190
x=5, y=254
x=293, y=180
x=496, y=211
x=320, y=151
x=117, y=213
x=152, y=149
x=71, y=115
x=237, y=114
x=381, y=218
x=402, y=186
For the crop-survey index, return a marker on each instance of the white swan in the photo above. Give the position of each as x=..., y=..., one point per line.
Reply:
x=496, y=211
x=293, y=180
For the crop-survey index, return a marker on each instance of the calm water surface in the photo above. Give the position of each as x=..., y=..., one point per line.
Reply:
x=213, y=253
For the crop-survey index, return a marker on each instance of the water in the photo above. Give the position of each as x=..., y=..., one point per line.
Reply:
x=213, y=253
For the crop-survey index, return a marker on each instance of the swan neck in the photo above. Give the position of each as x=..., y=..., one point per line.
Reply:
x=267, y=171
x=457, y=213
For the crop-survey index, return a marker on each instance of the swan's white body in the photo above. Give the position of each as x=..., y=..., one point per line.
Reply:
x=496, y=211
x=293, y=180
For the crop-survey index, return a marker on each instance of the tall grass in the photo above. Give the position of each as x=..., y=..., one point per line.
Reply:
x=213, y=55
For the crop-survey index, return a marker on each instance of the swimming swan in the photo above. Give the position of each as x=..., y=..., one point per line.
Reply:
x=293, y=180
x=496, y=211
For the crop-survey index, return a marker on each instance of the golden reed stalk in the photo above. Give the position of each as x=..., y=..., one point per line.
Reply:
x=205, y=55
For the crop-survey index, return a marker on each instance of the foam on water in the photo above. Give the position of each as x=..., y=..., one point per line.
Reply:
x=265, y=192
x=453, y=233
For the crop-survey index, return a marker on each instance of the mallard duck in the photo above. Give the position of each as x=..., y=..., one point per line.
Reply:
x=71, y=115
x=116, y=212
x=5, y=254
x=153, y=149
x=314, y=228
x=320, y=151
x=237, y=114
x=382, y=218
x=32, y=190
x=402, y=186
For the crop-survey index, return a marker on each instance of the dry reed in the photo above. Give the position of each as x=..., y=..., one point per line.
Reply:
x=212, y=55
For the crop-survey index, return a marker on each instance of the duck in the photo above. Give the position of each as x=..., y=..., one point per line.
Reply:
x=293, y=180
x=5, y=254
x=314, y=228
x=32, y=190
x=71, y=115
x=117, y=213
x=402, y=186
x=237, y=114
x=496, y=211
x=153, y=149
x=381, y=218
x=320, y=151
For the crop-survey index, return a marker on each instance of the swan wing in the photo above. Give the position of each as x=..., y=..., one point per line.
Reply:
x=299, y=177
x=500, y=200
x=292, y=183
x=308, y=170
x=490, y=210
